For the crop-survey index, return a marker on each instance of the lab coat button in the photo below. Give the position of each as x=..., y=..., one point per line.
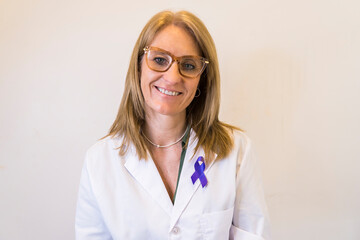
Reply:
x=175, y=230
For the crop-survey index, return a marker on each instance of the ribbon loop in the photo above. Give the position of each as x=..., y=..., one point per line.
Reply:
x=199, y=172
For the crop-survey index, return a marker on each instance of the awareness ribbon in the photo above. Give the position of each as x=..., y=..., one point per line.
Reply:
x=199, y=172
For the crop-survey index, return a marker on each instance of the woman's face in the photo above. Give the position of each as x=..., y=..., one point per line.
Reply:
x=169, y=93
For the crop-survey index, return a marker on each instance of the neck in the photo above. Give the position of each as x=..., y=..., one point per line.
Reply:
x=162, y=129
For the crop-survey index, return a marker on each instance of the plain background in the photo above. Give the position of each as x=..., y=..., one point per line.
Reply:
x=290, y=78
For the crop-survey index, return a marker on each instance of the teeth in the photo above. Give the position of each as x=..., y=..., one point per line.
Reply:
x=170, y=93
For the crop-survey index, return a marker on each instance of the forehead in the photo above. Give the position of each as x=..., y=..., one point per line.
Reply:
x=176, y=40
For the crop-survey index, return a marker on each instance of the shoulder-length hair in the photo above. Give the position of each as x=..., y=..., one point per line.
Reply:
x=214, y=136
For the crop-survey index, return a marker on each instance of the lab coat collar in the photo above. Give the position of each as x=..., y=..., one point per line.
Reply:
x=147, y=175
x=186, y=188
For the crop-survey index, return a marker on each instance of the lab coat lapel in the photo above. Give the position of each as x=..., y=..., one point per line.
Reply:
x=186, y=189
x=147, y=175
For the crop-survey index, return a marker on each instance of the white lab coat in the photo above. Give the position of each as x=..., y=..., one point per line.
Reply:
x=125, y=198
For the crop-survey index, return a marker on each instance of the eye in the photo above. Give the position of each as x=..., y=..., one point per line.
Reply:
x=189, y=64
x=160, y=60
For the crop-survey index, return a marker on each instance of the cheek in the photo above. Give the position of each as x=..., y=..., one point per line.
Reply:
x=142, y=86
x=194, y=86
x=147, y=78
x=144, y=76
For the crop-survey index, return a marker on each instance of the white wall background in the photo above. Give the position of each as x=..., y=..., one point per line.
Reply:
x=290, y=77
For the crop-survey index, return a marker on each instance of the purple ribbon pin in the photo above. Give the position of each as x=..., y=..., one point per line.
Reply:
x=199, y=172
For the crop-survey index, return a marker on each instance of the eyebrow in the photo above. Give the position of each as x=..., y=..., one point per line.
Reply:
x=171, y=54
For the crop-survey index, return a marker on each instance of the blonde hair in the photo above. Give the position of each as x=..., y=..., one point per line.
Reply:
x=214, y=136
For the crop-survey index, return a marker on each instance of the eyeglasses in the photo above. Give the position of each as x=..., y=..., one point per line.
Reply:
x=160, y=60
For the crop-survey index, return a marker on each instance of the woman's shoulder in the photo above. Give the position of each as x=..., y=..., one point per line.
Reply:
x=104, y=147
x=241, y=138
x=242, y=142
x=105, y=142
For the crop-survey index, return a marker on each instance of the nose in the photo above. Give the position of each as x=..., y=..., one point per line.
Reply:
x=173, y=73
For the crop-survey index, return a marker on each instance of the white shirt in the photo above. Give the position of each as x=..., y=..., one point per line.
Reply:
x=125, y=198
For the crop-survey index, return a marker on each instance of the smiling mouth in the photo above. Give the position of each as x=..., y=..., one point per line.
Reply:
x=167, y=92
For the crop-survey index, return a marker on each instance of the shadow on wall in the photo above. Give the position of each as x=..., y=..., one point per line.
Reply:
x=269, y=85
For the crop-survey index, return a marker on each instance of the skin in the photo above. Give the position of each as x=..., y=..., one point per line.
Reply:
x=165, y=115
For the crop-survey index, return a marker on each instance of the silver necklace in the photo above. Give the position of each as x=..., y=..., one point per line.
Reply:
x=164, y=146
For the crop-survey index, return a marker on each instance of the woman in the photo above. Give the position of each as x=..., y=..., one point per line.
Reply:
x=168, y=167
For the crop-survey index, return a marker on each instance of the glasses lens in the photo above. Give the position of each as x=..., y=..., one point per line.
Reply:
x=191, y=67
x=158, y=61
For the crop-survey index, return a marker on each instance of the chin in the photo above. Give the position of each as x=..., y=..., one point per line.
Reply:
x=167, y=111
